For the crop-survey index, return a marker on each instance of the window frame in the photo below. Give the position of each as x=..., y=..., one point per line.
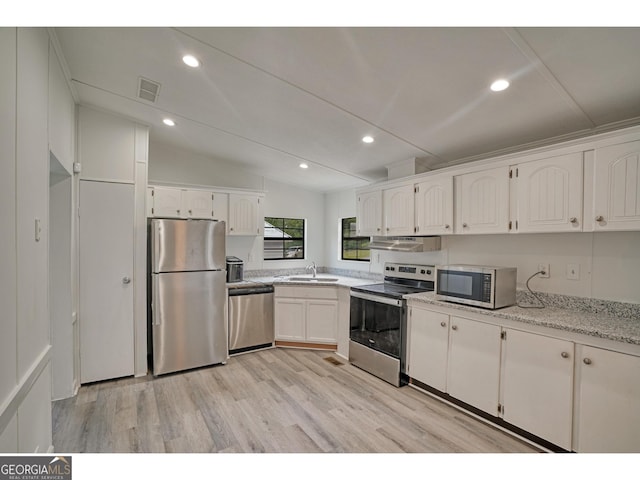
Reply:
x=344, y=239
x=285, y=239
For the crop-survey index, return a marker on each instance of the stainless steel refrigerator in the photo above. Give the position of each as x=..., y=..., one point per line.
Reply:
x=188, y=297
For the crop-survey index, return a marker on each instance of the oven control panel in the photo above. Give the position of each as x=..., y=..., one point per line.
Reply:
x=409, y=271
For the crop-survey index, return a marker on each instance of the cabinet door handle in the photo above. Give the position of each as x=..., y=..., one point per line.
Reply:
x=573, y=220
x=587, y=361
x=190, y=212
x=447, y=226
x=464, y=225
x=443, y=324
x=126, y=280
x=564, y=355
x=178, y=211
x=599, y=218
x=378, y=229
x=454, y=327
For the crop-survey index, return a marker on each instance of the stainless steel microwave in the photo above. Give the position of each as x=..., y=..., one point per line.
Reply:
x=476, y=285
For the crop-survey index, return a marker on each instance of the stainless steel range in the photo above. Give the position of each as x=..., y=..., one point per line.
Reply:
x=378, y=320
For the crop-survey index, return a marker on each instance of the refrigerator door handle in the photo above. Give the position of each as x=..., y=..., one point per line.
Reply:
x=155, y=300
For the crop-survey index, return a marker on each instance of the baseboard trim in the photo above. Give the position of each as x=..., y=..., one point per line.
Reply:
x=313, y=346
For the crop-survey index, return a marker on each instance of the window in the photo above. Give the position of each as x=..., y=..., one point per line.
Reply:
x=283, y=238
x=353, y=247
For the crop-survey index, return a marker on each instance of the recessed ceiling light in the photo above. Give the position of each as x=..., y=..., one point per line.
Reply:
x=169, y=122
x=191, y=61
x=367, y=139
x=499, y=85
x=303, y=165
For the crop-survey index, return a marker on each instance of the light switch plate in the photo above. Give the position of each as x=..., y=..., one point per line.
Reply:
x=573, y=271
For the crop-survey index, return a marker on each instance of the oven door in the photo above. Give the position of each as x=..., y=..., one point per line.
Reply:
x=378, y=322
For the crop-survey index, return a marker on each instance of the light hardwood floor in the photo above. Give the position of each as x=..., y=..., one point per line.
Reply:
x=277, y=400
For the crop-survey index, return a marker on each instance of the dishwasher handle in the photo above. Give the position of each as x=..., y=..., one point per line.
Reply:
x=254, y=290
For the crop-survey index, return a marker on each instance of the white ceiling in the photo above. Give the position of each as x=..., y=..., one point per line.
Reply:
x=269, y=98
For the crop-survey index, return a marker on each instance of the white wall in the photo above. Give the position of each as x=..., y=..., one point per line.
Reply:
x=172, y=165
x=25, y=382
x=608, y=261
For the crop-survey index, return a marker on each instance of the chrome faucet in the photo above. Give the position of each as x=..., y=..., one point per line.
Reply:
x=313, y=268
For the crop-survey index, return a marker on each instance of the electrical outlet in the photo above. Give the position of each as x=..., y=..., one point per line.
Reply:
x=573, y=271
x=543, y=267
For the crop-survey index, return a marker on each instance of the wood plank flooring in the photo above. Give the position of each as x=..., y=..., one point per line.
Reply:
x=277, y=400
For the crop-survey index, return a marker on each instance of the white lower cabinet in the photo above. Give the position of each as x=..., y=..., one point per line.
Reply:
x=473, y=371
x=455, y=355
x=537, y=385
x=607, y=409
x=578, y=397
x=306, y=314
x=428, y=345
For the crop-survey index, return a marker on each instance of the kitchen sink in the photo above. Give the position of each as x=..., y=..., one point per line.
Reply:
x=311, y=279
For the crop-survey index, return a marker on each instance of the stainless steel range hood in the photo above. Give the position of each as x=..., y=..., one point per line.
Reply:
x=405, y=244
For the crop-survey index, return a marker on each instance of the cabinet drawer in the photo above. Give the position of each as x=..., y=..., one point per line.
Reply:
x=319, y=292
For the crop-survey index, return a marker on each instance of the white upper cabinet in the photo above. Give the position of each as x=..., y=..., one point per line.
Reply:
x=482, y=201
x=245, y=215
x=434, y=206
x=617, y=187
x=398, y=208
x=549, y=194
x=369, y=214
x=198, y=203
x=166, y=202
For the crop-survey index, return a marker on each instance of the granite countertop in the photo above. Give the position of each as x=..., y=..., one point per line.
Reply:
x=343, y=281
x=621, y=327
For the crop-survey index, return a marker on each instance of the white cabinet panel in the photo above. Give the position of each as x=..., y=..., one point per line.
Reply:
x=434, y=206
x=428, y=342
x=290, y=319
x=306, y=314
x=244, y=213
x=106, y=297
x=607, y=411
x=398, y=210
x=473, y=374
x=617, y=187
x=221, y=207
x=369, y=214
x=537, y=385
x=549, y=193
x=482, y=201
x=322, y=321
x=167, y=202
x=198, y=203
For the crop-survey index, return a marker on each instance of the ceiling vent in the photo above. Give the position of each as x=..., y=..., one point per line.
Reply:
x=148, y=90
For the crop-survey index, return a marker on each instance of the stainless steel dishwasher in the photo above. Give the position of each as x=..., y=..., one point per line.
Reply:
x=250, y=317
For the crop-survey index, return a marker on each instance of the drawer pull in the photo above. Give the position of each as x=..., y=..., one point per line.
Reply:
x=587, y=361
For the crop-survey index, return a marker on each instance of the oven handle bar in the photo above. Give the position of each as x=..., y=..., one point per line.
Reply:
x=377, y=298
